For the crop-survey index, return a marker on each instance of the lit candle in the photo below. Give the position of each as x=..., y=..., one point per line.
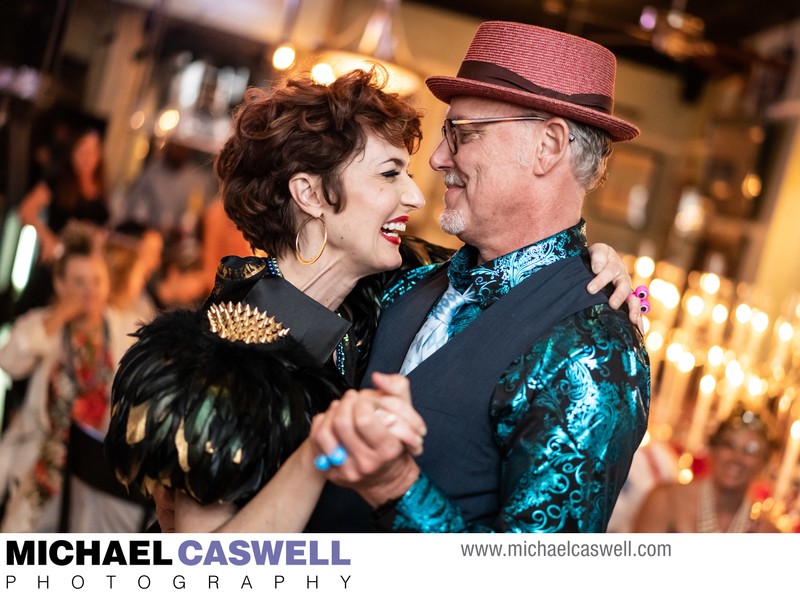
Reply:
x=663, y=406
x=702, y=407
x=685, y=367
x=714, y=360
x=788, y=464
x=741, y=324
x=643, y=269
x=784, y=406
x=759, y=322
x=734, y=377
x=785, y=333
x=694, y=321
x=710, y=283
x=654, y=341
x=669, y=297
x=719, y=316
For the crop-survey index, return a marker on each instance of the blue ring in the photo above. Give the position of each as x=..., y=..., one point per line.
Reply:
x=322, y=463
x=338, y=456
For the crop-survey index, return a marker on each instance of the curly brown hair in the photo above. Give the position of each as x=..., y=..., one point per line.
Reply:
x=304, y=127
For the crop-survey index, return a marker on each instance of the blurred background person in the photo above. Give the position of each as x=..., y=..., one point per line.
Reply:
x=76, y=191
x=221, y=238
x=172, y=192
x=131, y=265
x=181, y=281
x=138, y=246
x=70, y=349
x=654, y=463
x=739, y=450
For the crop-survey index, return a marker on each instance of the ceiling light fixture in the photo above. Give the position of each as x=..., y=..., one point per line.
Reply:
x=285, y=54
x=380, y=42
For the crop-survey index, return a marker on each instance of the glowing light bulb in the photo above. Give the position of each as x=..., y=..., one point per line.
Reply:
x=283, y=57
x=708, y=384
x=323, y=74
x=695, y=305
x=744, y=313
x=645, y=266
x=719, y=314
x=760, y=322
x=716, y=355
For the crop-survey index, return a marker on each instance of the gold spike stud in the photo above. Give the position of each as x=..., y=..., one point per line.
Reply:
x=246, y=324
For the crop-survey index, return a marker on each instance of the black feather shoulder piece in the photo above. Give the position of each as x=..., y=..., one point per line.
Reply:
x=202, y=406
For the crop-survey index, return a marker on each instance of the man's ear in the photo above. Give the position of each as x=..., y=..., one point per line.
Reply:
x=553, y=145
x=306, y=190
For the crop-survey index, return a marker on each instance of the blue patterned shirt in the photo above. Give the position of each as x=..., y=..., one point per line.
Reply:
x=567, y=415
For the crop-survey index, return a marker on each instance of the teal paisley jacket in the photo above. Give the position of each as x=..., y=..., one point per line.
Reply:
x=567, y=415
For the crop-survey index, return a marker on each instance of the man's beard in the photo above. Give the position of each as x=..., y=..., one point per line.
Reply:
x=452, y=222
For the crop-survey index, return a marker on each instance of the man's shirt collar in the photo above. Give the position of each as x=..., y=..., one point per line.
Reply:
x=497, y=277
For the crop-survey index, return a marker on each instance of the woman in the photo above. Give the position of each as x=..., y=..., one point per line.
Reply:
x=70, y=350
x=318, y=177
x=739, y=450
x=220, y=238
x=77, y=193
x=128, y=270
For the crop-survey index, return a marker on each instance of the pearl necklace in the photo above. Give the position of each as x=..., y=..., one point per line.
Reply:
x=707, y=512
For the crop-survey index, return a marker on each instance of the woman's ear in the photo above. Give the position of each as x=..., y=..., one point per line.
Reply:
x=306, y=190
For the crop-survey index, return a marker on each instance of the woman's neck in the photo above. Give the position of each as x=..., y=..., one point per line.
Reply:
x=728, y=500
x=327, y=281
x=721, y=510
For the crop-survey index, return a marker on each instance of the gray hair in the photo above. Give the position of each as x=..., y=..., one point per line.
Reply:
x=591, y=149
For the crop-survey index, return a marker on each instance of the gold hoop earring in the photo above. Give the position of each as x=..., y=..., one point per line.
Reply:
x=321, y=249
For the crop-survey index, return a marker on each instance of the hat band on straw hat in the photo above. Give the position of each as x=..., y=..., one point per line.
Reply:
x=497, y=75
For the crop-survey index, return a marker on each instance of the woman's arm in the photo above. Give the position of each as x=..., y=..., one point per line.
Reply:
x=284, y=504
x=610, y=269
x=30, y=214
x=33, y=337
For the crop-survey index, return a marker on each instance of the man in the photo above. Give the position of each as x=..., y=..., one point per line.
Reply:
x=535, y=393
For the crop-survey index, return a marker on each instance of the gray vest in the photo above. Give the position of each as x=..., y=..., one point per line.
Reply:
x=452, y=389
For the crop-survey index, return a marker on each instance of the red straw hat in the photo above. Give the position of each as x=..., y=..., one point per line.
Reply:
x=540, y=68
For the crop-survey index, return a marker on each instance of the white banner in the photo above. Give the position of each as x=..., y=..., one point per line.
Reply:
x=399, y=563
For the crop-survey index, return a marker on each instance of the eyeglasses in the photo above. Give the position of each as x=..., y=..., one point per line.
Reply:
x=450, y=134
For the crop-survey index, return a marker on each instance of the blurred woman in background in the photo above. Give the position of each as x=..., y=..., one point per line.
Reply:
x=76, y=192
x=70, y=350
x=739, y=451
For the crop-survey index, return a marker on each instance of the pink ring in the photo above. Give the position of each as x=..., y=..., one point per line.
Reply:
x=641, y=292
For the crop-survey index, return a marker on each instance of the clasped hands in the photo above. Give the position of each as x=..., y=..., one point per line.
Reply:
x=379, y=432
